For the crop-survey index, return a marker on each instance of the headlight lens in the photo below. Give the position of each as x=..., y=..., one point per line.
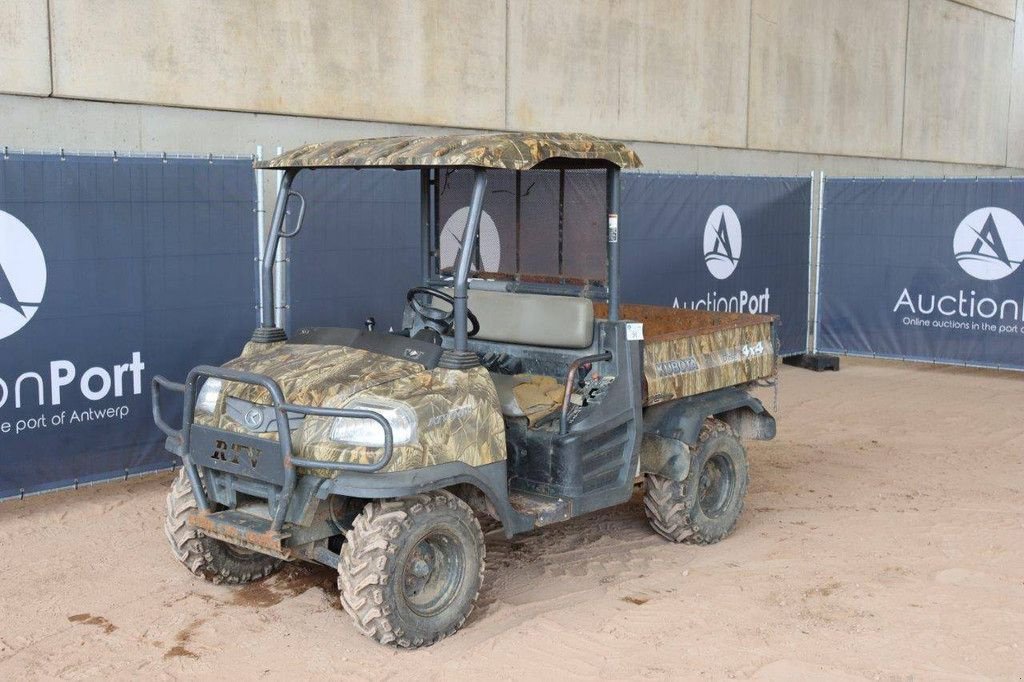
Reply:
x=209, y=394
x=366, y=432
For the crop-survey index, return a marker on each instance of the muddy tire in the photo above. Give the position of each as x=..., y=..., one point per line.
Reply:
x=411, y=569
x=213, y=560
x=705, y=507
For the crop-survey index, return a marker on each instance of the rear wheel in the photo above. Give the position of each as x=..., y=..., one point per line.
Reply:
x=213, y=560
x=706, y=505
x=411, y=569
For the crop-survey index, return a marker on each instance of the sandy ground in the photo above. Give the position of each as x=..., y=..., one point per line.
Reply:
x=883, y=539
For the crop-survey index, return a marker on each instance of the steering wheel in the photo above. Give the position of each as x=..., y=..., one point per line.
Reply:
x=436, y=319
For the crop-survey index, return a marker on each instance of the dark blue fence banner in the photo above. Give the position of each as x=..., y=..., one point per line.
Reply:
x=924, y=270
x=737, y=244
x=111, y=271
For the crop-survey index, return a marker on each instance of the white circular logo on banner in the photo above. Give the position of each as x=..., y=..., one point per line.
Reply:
x=723, y=242
x=989, y=243
x=490, y=243
x=22, y=275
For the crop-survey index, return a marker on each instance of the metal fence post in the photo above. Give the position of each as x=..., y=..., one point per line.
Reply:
x=261, y=235
x=281, y=284
x=817, y=262
x=811, y=298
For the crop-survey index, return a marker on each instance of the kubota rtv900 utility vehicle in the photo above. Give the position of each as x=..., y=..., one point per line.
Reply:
x=526, y=396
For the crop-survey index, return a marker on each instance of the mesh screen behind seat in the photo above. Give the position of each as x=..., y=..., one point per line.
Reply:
x=549, y=223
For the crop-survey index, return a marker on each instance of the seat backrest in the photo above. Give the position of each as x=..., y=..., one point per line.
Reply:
x=533, y=319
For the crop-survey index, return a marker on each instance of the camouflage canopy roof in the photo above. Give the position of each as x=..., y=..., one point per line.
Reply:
x=512, y=151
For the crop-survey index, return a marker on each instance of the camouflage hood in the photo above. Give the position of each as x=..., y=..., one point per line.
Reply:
x=457, y=411
x=321, y=376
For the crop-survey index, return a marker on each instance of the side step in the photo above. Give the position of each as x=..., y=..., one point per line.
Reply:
x=245, y=530
x=543, y=510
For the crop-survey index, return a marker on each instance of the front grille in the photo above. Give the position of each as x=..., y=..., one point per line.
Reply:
x=257, y=418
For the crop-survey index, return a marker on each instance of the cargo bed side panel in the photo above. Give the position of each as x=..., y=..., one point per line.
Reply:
x=684, y=365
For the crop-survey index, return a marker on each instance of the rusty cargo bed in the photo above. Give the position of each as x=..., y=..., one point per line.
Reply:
x=687, y=352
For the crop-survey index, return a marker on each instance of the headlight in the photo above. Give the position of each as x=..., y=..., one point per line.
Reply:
x=359, y=431
x=209, y=394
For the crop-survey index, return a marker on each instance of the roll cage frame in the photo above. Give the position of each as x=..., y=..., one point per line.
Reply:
x=428, y=219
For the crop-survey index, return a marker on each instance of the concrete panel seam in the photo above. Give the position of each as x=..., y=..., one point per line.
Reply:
x=508, y=29
x=981, y=9
x=49, y=43
x=1009, y=100
x=906, y=59
x=750, y=60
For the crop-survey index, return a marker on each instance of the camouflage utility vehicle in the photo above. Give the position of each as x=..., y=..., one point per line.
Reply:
x=519, y=390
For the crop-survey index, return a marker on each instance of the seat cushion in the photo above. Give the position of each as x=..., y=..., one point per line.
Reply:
x=533, y=396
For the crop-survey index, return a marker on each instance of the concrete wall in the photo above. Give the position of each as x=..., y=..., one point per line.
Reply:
x=958, y=84
x=24, y=47
x=828, y=76
x=392, y=60
x=1015, y=153
x=660, y=71
x=751, y=86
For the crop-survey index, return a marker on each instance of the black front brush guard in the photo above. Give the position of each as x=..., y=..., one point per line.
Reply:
x=179, y=441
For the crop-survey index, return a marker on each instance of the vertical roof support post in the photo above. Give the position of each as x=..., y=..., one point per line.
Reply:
x=561, y=224
x=435, y=223
x=466, y=259
x=425, y=224
x=270, y=253
x=614, y=284
x=519, y=224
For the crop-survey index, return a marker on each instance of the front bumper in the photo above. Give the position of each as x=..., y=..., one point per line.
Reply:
x=266, y=461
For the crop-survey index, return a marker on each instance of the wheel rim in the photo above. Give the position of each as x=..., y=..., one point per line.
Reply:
x=433, y=572
x=717, y=482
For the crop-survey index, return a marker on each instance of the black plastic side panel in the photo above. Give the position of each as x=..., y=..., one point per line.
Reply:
x=593, y=465
x=569, y=466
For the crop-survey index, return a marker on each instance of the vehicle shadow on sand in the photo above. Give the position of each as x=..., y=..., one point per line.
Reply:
x=519, y=570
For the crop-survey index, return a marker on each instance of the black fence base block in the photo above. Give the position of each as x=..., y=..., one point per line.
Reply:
x=818, y=362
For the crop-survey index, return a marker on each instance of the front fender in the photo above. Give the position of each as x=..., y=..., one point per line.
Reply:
x=490, y=479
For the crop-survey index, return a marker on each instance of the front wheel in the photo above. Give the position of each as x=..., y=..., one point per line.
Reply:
x=210, y=559
x=410, y=570
x=705, y=506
